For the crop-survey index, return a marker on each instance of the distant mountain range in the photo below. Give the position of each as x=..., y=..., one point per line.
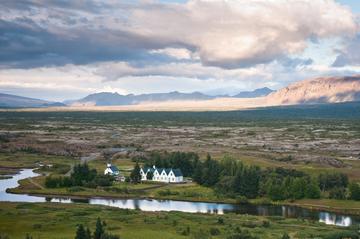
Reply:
x=13, y=101
x=311, y=91
x=255, y=93
x=111, y=99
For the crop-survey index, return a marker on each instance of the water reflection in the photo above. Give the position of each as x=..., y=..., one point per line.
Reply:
x=171, y=205
x=333, y=219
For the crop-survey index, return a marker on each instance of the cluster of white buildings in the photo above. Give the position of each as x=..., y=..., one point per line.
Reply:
x=165, y=175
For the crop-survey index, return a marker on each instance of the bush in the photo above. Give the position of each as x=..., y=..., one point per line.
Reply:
x=285, y=236
x=266, y=224
x=186, y=231
x=242, y=235
x=242, y=200
x=214, y=231
x=337, y=193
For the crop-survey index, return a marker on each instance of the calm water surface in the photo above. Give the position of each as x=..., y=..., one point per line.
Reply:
x=172, y=205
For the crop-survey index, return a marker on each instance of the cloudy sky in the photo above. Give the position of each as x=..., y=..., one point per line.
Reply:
x=60, y=49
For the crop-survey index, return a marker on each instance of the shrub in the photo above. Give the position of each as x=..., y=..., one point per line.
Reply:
x=266, y=224
x=337, y=193
x=285, y=236
x=214, y=231
x=242, y=235
x=242, y=200
x=51, y=182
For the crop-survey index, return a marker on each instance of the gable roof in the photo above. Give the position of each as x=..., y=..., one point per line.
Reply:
x=177, y=172
x=148, y=169
x=114, y=168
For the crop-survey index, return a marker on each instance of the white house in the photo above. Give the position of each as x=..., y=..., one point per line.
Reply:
x=111, y=170
x=166, y=175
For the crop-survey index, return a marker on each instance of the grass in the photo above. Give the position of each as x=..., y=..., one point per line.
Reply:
x=17, y=160
x=58, y=221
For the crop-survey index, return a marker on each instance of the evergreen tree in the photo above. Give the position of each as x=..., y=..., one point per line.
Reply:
x=297, y=189
x=99, y=230
x=198, y=172
x=354, y=189
x=88, y=233
x=149, y=175
x=135, y=175
x=80, y=232
x=312, y=190
x=275, y=190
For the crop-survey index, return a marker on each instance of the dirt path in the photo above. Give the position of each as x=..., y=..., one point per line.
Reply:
x=86, y=159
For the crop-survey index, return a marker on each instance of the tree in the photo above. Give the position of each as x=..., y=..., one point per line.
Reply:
x=297, y=188
x=80, y=232
x=82, y=174
x=88, y=233
x=329, y=181
x=285, y=236
x=354, y=189
x=99, y=230
x=275, y=190
x=135, y=175
x=28, y=236
x=149, y=175
x=337, y=193
x=312, y=190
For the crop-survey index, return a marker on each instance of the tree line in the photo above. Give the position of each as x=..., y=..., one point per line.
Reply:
x=81, y=175
x=233, y=178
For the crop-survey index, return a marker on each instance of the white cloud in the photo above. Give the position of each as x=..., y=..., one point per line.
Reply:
x=237, y=33
x=178, y=53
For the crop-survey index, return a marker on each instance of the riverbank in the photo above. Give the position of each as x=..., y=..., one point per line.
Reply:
x=188, y=193
x=17, y=219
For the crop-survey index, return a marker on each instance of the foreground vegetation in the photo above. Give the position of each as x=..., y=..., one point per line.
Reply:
x=58, y=221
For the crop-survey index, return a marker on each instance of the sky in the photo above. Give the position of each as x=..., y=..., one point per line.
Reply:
x=59, y=50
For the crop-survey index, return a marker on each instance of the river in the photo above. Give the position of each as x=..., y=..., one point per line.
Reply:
x=329, y=218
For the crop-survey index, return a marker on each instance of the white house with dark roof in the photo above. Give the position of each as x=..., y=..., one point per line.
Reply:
x=111, y=170
x=165, y=175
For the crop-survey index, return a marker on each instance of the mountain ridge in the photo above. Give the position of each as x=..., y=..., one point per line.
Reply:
x=112, y=99
x=334, y=89
x=15, y=101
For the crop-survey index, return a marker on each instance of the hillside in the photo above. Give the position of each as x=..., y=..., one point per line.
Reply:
x=318, y=90
x=14, y=101
x=255, y=93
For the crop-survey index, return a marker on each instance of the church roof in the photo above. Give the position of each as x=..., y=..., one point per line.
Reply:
x=114, y=168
